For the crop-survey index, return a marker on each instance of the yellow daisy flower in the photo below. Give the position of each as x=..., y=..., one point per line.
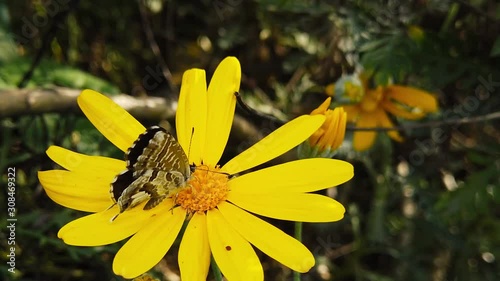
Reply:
x=372, y=111
x=219, y=209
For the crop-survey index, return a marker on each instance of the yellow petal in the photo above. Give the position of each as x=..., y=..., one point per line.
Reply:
x=412, y=97
x=194, y=251
x=79, y=191
x=323, y=107
x=269, y=239
x=364, y=139
x=114, y=122
x=330, y=89
x=78, y=162
x=385, y=122
x=304, y=175
x=290, y=206
x=335, y=129
x=233, y=254
x=148, y=246
x=400, y=111
x=278, y=142
x=98, y=229
x=191, y=117
x=330, y=128
x=220, y=110
x=365, y=78
x=352, y=112
x=340, y=133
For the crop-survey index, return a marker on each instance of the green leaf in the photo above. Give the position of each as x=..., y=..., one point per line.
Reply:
x=373, y=44
x=50, y=73
x=495, y=50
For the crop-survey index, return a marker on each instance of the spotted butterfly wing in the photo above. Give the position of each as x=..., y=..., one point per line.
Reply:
x=156, y=165
x=157, y=149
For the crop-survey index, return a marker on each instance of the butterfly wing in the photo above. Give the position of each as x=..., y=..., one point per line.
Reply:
x=160, y=184
x=157, y=149
x=152, y=184
x=156, y=165
x=120, y=183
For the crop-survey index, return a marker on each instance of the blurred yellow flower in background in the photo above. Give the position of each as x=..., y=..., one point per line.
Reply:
x=416, y=33
x=377, y=103
x=348, y=89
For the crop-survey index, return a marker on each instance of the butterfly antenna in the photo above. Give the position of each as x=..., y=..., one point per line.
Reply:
x=111, y=206
x=114, y=217
x=189, y=152
x=190, y=141
x=252, y=112
x=206, y=170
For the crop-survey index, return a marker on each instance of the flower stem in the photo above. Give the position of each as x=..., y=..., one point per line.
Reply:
x=298, y=236
x=381, y=178
x=450, y=18
x=215, y=269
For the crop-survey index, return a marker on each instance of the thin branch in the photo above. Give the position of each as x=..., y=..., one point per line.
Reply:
x=18, y=102
x=155, y=48
x=450, y=122
x=297, y=75
x=23, y=102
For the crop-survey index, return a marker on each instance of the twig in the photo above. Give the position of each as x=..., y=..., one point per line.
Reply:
x=339, y=252
x=297, y=75
x=23, y=102
x=450, y=122
x=17, y=102
x=155, y=48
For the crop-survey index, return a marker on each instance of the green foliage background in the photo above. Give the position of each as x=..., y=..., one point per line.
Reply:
x=424, y=209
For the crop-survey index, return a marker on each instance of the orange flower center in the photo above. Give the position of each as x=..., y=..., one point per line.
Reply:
x=206, y=188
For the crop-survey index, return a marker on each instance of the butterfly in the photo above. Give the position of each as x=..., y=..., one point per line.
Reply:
x=156, y=166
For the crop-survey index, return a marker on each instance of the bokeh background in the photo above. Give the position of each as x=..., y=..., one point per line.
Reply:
x=424, y=209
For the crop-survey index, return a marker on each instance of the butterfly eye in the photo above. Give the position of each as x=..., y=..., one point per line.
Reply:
x=123, y=203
